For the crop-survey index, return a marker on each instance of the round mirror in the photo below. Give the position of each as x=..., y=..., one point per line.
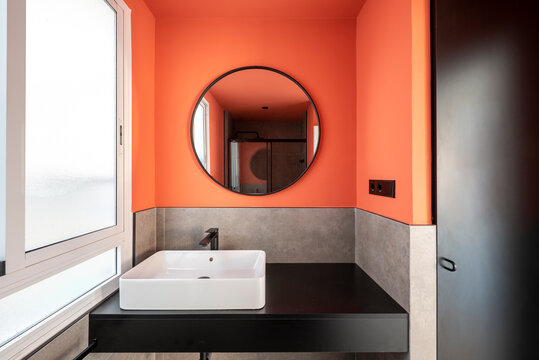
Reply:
x=255, y=130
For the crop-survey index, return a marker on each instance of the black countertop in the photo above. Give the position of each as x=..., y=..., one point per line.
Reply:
x=309, y=307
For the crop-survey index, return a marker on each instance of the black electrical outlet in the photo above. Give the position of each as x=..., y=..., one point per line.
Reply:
x=372, y=186
x=382, y=187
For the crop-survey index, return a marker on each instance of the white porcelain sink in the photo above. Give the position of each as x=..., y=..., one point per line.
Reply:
x=196, y=280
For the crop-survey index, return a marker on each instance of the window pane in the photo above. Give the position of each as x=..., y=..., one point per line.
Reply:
x=3, y=73
x=198, y=133
x=70, y=119
x=21, y=310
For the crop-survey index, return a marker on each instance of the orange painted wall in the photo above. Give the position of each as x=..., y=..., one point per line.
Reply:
x=143, y=119
x=421, y=114
x=369, y=78
x=320, y=54
x=217, y=136
x=393, y=107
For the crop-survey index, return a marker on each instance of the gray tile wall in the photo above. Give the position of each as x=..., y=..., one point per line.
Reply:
x=423, y=292
x=145, y=234
x=121, y=356
x=402, y=260
x=160, y=229
x=285, y=234
x=382, y=249
x=67, y=345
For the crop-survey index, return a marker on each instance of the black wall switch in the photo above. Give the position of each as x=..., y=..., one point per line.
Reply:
x=382, y=187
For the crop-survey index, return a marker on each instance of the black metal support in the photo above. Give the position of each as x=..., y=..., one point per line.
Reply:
x=2, y=268
x=247, y=132
x=205, y=356
x=88, y=350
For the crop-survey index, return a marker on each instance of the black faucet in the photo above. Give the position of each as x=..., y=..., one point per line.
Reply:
x=212, y=238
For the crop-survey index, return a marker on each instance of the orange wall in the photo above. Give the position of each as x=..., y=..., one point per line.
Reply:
x=320, y=54
x=375, y=112
x=217, y=138
x=143, y=137
x=421, y=114
x=393, y=107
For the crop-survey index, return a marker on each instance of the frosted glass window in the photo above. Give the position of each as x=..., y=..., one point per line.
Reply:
x=21, y=310
x=3, y=73
x=70, y=119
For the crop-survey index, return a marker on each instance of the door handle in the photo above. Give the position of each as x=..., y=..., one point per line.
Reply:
x=448, y=264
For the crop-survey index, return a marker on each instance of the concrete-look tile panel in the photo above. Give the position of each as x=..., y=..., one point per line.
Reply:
x=160, y=228
x=402, y=260
x=423, y=292
x=98, y=356
x=383, y=251
x=286, y=234
x=145, y=234
x=67, y=345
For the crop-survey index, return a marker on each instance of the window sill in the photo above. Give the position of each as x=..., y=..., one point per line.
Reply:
x=30, y=340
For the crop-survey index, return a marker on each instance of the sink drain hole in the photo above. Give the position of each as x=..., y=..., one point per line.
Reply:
x=203, y=277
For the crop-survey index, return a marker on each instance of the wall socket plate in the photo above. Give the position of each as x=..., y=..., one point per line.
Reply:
x=382, y=187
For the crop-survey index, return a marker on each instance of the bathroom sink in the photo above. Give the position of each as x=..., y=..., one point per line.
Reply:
x=196, y=280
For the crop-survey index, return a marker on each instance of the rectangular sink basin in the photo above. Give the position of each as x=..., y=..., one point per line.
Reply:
x=196, y=280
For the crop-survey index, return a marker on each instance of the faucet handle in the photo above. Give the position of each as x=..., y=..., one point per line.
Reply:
x=212, y=230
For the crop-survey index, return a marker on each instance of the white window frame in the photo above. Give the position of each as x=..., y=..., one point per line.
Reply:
x=206, y=108
x=26, y=268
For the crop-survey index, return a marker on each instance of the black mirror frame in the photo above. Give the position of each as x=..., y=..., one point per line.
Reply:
x=256, y=68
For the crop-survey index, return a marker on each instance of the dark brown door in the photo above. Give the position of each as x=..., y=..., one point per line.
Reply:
x=486, y=98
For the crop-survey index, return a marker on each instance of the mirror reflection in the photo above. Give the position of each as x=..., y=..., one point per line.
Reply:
x=255, y=131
